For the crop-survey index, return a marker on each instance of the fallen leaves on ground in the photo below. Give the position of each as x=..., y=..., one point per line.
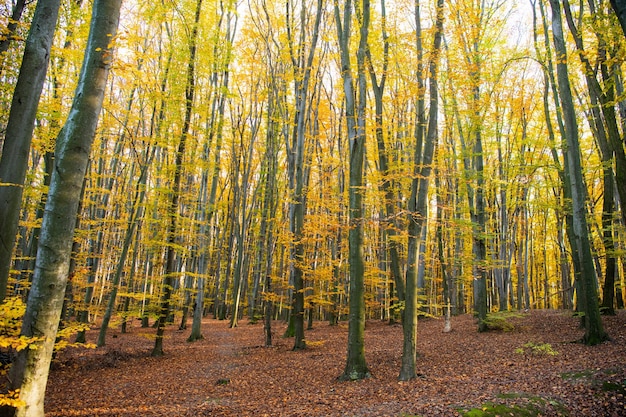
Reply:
x=230, y=373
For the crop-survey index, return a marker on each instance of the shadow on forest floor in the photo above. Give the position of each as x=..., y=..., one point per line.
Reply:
x=533, y=368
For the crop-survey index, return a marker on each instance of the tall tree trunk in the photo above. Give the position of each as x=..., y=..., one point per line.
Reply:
x=356, y=367
x=585, y=275
x=604, y=127
x=620, y=10
x=170, y=265
x=387, y=184
x=133, y=219
x=240, y=281
x=418, y=205
x=19, y=129
x=564, y=217
x=30, y=371
x=302, y=73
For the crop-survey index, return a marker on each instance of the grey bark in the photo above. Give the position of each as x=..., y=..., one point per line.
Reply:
x=356, y=367
x=302, y=67
x=19, y=129
x=585, y=274
x=30, y=371
x=418, y=205
x=387, y=183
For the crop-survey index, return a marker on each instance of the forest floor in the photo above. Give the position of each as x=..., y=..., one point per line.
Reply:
x=535, y=369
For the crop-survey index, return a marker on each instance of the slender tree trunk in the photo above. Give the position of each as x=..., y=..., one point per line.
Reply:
x=604, y=127
x=9, y=33
x=130, y=231
x=387, y=184
x=170, y=266
x=418, y=206
x=241, y=226
x=356, y=367
x=30, y=371
x=302, y=73
x=620, y=10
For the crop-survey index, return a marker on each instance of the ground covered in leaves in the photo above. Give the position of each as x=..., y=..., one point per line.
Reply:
x=535, y=368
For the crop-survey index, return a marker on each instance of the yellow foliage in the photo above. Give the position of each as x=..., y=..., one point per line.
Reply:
x=11, y=312
x=11, y=399
x=64, y=335
x=315, y=343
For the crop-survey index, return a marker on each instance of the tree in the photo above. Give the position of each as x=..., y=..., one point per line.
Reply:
x=604, y=126
x=29, y=373
x=356, y=367
x=387, y=183
x=620, y=10
x=302, y=67
x=418, y=200
x=19, y=129
x=171, y=267
x=9, y=34
x=585, y=273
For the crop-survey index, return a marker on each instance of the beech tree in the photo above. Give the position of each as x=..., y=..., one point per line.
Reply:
x=584, y=273
x=29, y=373
x=171, y=267
x=418, y=199
x=355, y=101
x=19, y=129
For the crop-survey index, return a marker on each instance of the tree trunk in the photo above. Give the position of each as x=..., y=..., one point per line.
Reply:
x=604, y=127
x=302, y=75
x=418, y=206
x=620, y=11
x=133, y=219
x=356, y=367
x=8, y=35
x=170, y=266
x=19, y=129
x=30, y=371
x=585, y=273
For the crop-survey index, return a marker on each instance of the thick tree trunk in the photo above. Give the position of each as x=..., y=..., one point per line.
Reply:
x=19, y=129
x=620, y=11
x=30, y=371
x=581, y=249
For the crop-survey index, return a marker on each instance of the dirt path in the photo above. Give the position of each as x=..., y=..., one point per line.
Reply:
x=229, y=373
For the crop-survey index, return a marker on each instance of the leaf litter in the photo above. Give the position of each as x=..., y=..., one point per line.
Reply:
x=230, y=373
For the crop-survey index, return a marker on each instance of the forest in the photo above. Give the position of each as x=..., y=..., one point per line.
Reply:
x=184, y=163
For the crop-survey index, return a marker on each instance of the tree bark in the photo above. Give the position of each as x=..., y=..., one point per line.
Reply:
x=418, y=206
x=30, y=371
x=302, y=75
x=9, y=33
x=356, y=367
x=585, y=273
x=19, y=129
x=170, y=266
x=619, y=6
